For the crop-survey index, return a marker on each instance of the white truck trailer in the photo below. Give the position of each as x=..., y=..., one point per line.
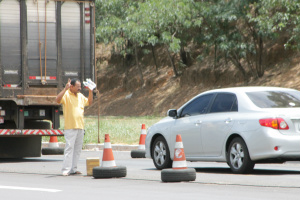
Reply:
x=43, y=43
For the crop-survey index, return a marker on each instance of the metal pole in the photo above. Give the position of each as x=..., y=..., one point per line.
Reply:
x=96, y=70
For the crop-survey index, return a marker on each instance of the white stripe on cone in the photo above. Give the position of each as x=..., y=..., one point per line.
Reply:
x=178, y=145
x=111, y=163
x=107, y=145
x=179, y=164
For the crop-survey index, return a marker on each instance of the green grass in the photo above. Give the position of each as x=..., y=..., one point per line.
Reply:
x=121, y=130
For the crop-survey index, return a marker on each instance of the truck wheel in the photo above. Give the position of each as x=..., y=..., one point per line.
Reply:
x=138, y=154
x=178, y=175
x=109, y=172
x=53, y=151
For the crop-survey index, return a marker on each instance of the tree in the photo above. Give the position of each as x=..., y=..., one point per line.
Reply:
x=238, y=30
x=114, y=26
x=169, y=24
x=235, y=30
x=224, y=29
x=279, y=16
x=152, y=22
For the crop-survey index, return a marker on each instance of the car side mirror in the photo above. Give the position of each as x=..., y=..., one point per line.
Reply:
x=172, y=113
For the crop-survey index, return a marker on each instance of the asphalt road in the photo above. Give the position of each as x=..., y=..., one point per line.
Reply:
x=40, y=178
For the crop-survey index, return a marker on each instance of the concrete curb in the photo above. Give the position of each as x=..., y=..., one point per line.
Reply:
x=115, y=147
x=98, y=147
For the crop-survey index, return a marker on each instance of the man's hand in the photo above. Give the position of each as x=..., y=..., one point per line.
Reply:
x=61, y=94
x=68, y=85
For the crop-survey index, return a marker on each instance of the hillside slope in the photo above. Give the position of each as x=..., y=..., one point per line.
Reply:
x=121, y=93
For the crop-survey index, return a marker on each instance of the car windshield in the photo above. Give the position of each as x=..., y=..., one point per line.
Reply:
x=275, y=99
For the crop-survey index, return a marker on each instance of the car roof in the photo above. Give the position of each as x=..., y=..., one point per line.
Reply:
x=241, y=92
x=248, y=89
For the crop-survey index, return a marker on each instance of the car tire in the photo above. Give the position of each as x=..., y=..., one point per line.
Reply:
x=53, y=151
x=138, y=154
x=109, y=172
x=161, y=153
x=238, y=157
x=178, y=175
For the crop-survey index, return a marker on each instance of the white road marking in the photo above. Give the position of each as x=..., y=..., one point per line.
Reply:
x=28, y=189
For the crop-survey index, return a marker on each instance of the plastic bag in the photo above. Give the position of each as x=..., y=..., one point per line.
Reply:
x=89, y=84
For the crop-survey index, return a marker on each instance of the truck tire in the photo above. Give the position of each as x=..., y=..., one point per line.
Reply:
x=138, y=154
x=109, y=172
x=53, y=151
x=178, y=175
x=37, y=124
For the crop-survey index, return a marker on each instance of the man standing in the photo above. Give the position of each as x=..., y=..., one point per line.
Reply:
x=73, y=108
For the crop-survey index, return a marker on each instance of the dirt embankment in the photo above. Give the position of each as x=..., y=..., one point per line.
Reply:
x=121, y=92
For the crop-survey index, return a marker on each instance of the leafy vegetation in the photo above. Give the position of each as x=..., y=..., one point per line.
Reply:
x=121, y=130
x=237, y=31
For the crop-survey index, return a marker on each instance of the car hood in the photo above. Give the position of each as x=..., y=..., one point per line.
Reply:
x=161, y=126
x=166, y=119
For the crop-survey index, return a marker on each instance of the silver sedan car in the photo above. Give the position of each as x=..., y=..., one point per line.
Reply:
x=241, y=126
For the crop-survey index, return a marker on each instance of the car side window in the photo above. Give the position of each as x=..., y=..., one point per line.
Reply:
x=224, y=102
x=197, y=106
x=235, y=106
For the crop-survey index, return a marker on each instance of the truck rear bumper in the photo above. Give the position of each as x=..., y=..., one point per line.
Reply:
x=31, y=132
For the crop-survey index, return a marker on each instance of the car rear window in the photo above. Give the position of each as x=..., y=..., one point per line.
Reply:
x=275, y=99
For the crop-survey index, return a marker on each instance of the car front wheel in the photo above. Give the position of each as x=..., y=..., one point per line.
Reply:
x=238, y=157
x=161, y=154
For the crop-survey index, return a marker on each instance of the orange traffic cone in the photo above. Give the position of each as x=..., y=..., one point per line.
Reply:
x=108, y=168
x=53, y=147
x=179, y=161
x=142, y=137
x=140, y=153
x=53, y=142
x=108, y=156
x=179, y=171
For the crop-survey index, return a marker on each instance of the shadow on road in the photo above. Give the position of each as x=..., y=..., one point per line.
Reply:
x=225, y=170
x=26, y=160
x=220, y=170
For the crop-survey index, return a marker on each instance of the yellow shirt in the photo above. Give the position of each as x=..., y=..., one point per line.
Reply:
x=73, y=108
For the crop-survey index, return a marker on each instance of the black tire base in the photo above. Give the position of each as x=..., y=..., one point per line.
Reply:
x=138, y=154
x=53, y=151
x=178, y=175
x=109, y=172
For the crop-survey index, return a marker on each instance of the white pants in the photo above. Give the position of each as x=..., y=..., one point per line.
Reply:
x=74, y=141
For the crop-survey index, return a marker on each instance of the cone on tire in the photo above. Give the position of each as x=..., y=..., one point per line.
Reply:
x=108, y=159
x=53, y=147
x=179, y=171
x=108, y=168
x=140, y=153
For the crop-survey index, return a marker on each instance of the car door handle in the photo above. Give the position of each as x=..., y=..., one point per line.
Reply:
x=198, y=123
x=228, y=120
